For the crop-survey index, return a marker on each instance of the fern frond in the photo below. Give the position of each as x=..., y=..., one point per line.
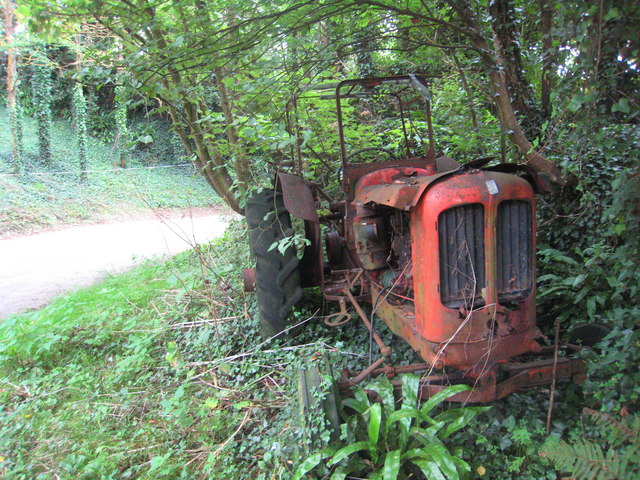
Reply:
x=616, y=431
x=585, y=460
x=625, y=462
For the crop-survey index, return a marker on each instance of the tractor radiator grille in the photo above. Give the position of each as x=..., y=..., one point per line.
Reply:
x=461, y=251
x=514, y=250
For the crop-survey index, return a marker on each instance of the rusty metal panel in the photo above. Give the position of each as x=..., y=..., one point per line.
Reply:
x=403, y=193
x=487, y=387
x=492, y=332
x=298, y=198
x=395, y=195
x=353, y=173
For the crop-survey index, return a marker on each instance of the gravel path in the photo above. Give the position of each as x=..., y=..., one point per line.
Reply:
x=36, y=268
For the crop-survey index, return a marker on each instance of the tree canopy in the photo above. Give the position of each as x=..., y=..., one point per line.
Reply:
x=225, y=72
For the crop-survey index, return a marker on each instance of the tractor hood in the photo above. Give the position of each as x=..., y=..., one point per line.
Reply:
x=402, y=187
x=405, y=190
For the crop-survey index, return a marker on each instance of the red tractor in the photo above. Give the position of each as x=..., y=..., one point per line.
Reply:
x=444, y=254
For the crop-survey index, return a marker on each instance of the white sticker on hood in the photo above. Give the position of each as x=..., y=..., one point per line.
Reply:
x=492, y=186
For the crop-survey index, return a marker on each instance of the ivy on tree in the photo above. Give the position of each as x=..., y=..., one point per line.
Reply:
x=42, y=98
x=80, y=105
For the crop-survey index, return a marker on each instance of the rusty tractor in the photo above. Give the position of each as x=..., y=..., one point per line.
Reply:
x=444, y=254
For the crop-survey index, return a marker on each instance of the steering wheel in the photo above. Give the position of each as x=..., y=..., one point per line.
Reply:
x=386, y=151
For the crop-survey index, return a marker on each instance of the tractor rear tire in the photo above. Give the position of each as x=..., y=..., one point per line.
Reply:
x=277, y=276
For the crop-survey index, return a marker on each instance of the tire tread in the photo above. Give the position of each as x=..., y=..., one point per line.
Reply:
x=277, y=276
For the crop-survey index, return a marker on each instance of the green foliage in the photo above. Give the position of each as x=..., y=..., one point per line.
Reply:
x=102, y=357
x=505, y=444
x=100, y=114
x=613, y=369
x=455, y=134
x=152, y=141
x=297, y=240
x=611, y=455
x=598, y=284
x=166, y=365
x=393, y=442
x=42, y=98
x=589, y=263
x=596, y=275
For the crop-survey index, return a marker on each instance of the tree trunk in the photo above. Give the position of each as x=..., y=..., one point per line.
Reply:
x=80, y=109
x=209, y=160
x=191, y=128
x=547, y=57
x=493, y=64
x=507, y=49
x=12, y=77
x=42, y=99
x=242, y=164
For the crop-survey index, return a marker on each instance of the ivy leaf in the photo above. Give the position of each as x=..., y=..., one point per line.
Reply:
x=619, y=229
x=173, y=355
x=622, y=106
x=159, y=460
x=577, y=101
x=611, y=14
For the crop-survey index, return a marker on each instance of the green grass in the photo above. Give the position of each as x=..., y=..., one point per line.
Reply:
x=41, y=196
x=108, y=382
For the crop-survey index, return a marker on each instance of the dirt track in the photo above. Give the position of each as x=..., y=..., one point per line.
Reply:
x=36, y=268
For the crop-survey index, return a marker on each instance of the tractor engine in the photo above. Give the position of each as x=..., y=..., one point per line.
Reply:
x=451, y=262
x=383, y=245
